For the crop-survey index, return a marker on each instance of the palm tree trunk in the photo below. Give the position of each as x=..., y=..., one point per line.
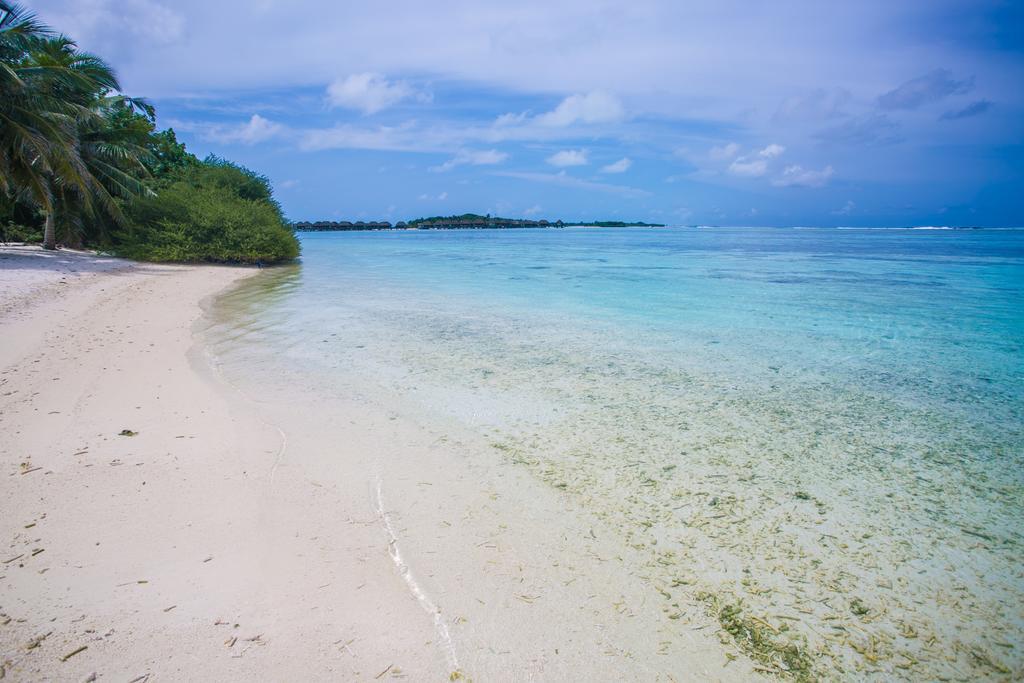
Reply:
x=49, y=232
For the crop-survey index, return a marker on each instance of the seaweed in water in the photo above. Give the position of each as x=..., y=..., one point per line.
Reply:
x=759, y=640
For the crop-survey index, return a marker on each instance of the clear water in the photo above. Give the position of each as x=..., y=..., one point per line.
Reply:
x=822, y=427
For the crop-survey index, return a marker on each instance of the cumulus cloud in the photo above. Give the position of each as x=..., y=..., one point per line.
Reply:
x=533, y=210
x=931, y=87
x=594, y=107
x=799, y=176
x=753, y=165
x=725, y=152
x=370, y=92
x=568, y=157
x=620, y=166
x=485, y=157
x=972, y=109
x=256, y=129
x=748, y=168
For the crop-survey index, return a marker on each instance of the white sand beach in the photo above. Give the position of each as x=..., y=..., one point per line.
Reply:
x=157, y=528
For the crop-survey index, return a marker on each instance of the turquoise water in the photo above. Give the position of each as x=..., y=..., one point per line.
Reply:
x=821, y=426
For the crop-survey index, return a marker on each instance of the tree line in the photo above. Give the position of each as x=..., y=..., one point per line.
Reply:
x=83, y=165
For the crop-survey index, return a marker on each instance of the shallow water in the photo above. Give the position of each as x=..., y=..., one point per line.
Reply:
x=817, y=433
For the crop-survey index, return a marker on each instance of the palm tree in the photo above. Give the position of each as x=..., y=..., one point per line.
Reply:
x=36, y=134
x=105, y=153
x=67, y=143
x=112, y=142
x=111, y=133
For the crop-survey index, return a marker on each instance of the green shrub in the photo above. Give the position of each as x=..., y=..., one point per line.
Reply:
x=13, y=232
x=247, y=184
x=212, y=212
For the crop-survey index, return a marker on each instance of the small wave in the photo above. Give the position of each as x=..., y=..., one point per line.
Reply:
x=426, y=603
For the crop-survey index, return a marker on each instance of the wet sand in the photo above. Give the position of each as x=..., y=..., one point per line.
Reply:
x=159, y=524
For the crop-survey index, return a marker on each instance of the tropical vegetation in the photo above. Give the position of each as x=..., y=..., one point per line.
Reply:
x=82, y=164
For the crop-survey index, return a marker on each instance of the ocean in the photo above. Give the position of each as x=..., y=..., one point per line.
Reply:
x=815, y=434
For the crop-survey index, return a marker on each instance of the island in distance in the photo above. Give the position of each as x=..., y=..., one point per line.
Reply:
x=466, y=221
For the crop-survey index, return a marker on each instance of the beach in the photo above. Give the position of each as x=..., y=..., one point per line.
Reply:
x=607, y=342
x=158, y=525
x=663, y=454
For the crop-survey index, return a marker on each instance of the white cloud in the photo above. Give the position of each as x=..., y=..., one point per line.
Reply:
x=799, y=176
x=288, y=184
x=725, y=152
x=564, y=179
x=753, y=165
x=511, y=119
x=436, y=137
x=93, y=20
x=533, y=210
x=151, y=20
x=443, y=196
x=620, y=166
x=256, y=129
x=846, y=210
x=568, y=157
x=594, y=107
x=534, y=47
x=485, y=157
x=403, y=138
x=748, y=168
x=370, y=92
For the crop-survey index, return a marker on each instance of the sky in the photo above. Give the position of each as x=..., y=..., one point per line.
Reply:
x=753, y=112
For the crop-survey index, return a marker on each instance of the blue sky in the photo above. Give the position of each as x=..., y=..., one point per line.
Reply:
x=738, y=113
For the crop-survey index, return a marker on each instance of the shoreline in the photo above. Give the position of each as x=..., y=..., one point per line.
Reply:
x=146, y=534
x=202, y=545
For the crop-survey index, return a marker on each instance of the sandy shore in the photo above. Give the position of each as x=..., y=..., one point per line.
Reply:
x=157, y=525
